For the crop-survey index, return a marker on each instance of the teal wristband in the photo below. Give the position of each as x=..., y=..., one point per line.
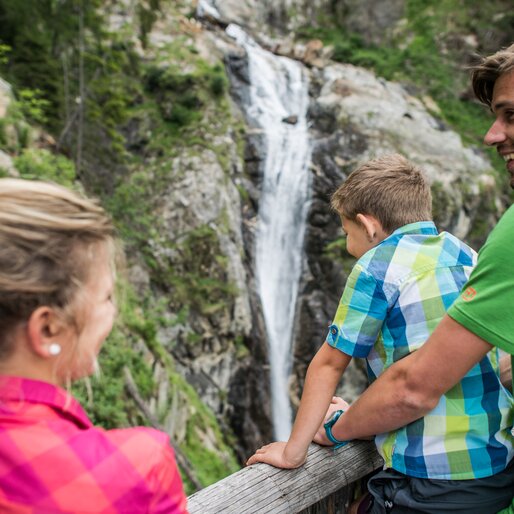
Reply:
x=328, y=430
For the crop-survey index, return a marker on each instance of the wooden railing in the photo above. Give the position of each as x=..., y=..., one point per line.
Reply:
x=324, y=480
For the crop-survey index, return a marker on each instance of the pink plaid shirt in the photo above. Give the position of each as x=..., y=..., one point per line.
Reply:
x=53, y=460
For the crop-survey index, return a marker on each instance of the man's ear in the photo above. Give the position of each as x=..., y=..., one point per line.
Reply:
x=44, y=329
x=371, y=225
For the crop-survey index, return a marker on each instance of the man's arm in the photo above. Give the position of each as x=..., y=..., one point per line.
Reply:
x=413, y=386
x=321, y=380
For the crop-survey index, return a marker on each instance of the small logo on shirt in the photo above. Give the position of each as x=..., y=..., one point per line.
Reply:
x=469, y=294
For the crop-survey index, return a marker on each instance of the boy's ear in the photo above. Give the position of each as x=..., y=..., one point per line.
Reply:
x=371, y=225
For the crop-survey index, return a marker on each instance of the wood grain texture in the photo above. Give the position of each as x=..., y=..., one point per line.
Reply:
x=263, y=488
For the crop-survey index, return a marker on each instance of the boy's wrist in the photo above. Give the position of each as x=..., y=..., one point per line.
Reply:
x=295, y=454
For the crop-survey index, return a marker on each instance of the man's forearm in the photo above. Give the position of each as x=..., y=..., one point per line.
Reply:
x=383, y=407
x=412, y=387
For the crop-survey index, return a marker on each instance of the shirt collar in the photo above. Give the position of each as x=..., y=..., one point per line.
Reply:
x=36, y=391
x=419, y=227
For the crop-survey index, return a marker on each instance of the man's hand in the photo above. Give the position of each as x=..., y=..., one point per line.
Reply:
x=274, y=454
x=337, y=403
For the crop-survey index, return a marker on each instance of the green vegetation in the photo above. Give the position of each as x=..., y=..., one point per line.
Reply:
x=38, y=37
x=425, y=54
x=201, y=282
x=336, y=251
x=15, y=132
x=32, y=105
x=34, y=163
x=182, y=96
x=187, y=99
x=117, y=122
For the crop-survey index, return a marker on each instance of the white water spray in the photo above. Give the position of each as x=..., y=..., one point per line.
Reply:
x=278, y=91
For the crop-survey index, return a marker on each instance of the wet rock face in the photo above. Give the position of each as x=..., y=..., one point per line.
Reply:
x=358, y=116
x=221, y=353
x=374, y=21
x=236, y=62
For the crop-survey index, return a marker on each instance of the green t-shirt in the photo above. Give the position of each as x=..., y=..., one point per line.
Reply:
x=486, y=304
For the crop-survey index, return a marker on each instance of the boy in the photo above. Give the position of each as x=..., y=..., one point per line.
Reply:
x=406, y=277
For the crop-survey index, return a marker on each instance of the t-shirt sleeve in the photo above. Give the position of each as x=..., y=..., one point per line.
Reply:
x=360, y=315
x=486, y=303
x=169, y=497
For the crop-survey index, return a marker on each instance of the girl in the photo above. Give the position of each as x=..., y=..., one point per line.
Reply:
x=56, y=310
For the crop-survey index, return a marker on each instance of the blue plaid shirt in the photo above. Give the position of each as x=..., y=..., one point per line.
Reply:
x=395, y=296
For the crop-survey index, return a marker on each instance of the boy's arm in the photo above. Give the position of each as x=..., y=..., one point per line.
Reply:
x=506, y=372
x=413, y=386
x=322, y=377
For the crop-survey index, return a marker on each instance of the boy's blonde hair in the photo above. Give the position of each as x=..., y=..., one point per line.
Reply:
x=48, y=238
x=487, y=72
x=390, y=188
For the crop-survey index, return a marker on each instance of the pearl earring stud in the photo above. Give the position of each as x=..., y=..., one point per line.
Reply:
x=54, y=349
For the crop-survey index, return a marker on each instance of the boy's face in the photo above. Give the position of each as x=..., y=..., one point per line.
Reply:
x=358, y=241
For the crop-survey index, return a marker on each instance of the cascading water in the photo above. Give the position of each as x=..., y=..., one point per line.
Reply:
x=278, y=92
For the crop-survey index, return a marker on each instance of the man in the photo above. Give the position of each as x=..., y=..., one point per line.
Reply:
x=483, y=316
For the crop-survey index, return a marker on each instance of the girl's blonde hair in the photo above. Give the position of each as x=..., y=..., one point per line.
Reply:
x=47, y=237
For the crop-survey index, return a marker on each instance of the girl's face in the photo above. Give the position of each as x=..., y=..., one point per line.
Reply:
x=97, y=311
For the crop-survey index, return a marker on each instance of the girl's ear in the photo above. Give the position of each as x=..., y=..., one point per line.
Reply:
x=371, y=225
x=44, y=330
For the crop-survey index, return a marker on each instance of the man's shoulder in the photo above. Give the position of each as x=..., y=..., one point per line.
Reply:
x=504, y=229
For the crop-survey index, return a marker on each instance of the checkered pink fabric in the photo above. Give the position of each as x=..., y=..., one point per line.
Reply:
x=53, y=460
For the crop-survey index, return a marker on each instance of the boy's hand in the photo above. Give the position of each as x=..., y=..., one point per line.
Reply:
x=337, y=403
x=274, y=454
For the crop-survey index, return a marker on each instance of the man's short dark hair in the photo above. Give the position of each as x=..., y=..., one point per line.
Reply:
x=487, y=71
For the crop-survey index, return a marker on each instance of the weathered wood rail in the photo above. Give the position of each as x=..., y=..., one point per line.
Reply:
x=264, y=489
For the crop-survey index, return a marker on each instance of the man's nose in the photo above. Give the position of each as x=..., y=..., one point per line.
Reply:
x=496, y=134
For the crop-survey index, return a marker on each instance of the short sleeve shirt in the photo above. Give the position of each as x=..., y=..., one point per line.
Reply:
x=395, y=296
x=486, y=305
x=53, y=460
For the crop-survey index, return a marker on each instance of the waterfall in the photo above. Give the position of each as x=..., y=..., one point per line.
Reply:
x=278, y=92
x=205, y=7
